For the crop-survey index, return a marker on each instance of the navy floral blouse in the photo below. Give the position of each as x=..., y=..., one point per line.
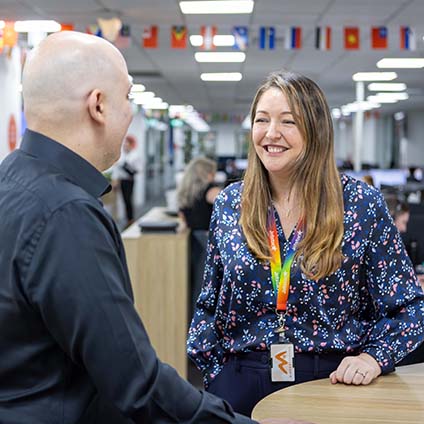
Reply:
x=372, y=303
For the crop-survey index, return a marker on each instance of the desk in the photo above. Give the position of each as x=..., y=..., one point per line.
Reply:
x=393, y=398
x=158, y=266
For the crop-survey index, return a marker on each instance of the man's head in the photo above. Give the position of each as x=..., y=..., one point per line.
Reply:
x=75, y=89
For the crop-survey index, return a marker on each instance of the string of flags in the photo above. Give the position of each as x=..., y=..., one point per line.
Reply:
x=267, y=38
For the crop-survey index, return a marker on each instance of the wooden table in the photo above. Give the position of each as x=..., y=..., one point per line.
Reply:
x=394, y=398
x=158, y=266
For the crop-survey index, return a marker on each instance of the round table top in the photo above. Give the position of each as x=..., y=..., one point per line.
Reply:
x=394, y=398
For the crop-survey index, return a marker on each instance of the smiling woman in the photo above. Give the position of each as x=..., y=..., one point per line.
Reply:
x=298, y=263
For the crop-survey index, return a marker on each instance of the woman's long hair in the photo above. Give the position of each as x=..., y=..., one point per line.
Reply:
x=195, y=180
x=315, y=176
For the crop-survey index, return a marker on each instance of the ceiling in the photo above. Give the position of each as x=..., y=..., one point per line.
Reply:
x=174, y=75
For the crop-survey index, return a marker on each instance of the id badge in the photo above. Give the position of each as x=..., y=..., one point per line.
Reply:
x=282, y=359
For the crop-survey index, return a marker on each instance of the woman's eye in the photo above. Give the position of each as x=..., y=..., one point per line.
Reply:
x=287, y=121
x=260, y=120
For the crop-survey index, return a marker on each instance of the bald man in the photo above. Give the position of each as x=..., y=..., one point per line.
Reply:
x=73, y=349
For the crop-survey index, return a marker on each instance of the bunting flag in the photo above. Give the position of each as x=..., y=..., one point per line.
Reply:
x=241, y=37
x=407, y=38
x=110, y=28
x=323, y=38
x=150, y=37
x=10, y=36
x=379, y=37
x=67, y=27
x=351, y=38
x=94, y=29
x=208, y=32
x=179, y=37
x=267, y=38
x=294, y=38
x=123, y=41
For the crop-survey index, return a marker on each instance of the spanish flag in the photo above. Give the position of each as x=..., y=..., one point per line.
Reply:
x=351, y=38
x=179, y=37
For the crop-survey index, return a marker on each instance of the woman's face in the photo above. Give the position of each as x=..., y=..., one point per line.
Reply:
x=401, y=222
x=275, y=133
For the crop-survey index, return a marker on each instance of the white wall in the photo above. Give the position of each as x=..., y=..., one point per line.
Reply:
x=10, y=98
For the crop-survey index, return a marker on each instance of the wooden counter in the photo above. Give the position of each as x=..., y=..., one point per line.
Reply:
x=394, y=398
x=158, y=266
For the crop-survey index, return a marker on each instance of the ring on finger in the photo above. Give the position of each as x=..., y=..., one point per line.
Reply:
x=360, y=373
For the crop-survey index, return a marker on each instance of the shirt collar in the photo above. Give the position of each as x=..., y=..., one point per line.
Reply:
x=73, y=166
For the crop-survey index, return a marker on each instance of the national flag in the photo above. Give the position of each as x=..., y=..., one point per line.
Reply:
x=407, y=39
x=379, y=37
x=94, y=29
x=10, y=36
x=323, y=38
x=179, y=37
x=294, y=38
x=110, y=28
x=124, y=38
x=351, y=38
x=241, y=37
x=267, y=37
x=208, y=32
x=67, y=27
x=150, y=37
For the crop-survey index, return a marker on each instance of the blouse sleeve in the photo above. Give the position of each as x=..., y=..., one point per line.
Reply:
x=205, y=332
x=396, y=293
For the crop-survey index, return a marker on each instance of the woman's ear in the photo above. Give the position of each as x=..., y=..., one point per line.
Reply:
x=96, y=106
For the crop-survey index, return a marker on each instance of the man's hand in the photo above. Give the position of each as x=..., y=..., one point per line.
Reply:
x=283, y=421
x=357, y=370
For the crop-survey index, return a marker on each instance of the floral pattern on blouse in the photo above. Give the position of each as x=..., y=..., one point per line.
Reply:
x=372, y=303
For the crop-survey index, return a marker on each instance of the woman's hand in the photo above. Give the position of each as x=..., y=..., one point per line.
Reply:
x=357, y=370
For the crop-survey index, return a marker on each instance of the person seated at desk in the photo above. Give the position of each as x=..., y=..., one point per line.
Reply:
x=300, y=259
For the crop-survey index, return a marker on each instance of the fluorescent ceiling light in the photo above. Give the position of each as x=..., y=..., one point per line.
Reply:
x=221, y=76
x=2, y=24
x=220, y=57
x=223, y=40
x=40, y=26
x=374, y=76
x=159, y=105
x=218, y=40
x=196, y=40
x=396, y=96
x=387, y=86
x=215, y=7
x=401, y=63
x=381, y=99
x=138, y=88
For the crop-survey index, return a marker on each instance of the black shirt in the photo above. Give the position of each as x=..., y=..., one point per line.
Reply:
x=198, y=216
x=72, y=344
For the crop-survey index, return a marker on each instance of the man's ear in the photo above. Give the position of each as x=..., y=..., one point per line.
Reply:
x=95, y=103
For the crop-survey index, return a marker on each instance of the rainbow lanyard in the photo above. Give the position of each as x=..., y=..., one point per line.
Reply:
x=280, y=275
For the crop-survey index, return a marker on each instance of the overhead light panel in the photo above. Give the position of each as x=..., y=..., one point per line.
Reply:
x=395, y=96
x=218, y=40
x=138, y=88
x=387, y=86
x=37, y=26
x=217, y=7
x=223, y=40
x=374, y=76
x=221, y=76
x=403, y=62
x=220, y=57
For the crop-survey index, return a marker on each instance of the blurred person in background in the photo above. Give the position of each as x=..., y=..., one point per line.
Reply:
x=305, y=269
x=197, y=193
x=124, y=172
